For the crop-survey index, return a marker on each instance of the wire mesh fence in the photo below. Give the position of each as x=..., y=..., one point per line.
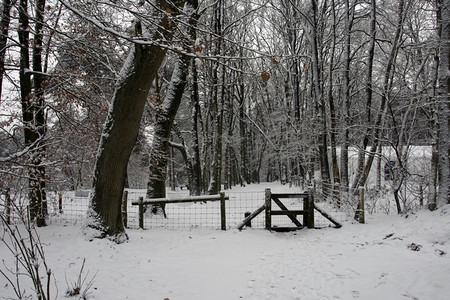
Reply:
x=240, y=203
x=69, y=208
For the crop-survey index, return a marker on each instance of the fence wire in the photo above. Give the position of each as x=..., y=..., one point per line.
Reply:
x=70, y=209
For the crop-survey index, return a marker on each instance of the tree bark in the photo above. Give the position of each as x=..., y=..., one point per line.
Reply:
x=217, y=105
x=346, y=94
x=122, y=126
x=33, y=116
x=243, y=141
x=4, y=30
x=333, y=129
x=368, y=92
x=318, y=94
x=165, y=118
x=40, y=121
x=196, y=180
x=159, y=152
x=443, y=94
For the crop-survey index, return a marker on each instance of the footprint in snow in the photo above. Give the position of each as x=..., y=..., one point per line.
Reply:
x=355, y=294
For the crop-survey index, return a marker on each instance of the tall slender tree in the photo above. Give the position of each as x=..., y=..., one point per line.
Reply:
x=363, y=172
x=348, y=21
x=167, y=110
x=217, y=100
x=4, y=30
x=317, y=78
x=33, y=106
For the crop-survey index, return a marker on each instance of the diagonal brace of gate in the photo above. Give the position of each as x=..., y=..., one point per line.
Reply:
x=284, y=208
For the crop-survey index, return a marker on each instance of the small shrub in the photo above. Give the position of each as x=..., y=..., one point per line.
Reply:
x=24, y=244
x=81, y=287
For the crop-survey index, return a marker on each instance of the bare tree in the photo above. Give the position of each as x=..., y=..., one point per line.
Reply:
x=4, y=30
x=167, y=110
x=348, y=21
x=443, y=99
x=33, y=106
x=319, y=97
x=363, y=172
x=123, y=120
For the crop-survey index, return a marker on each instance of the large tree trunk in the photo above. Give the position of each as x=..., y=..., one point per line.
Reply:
x=159, y=153
x=216, y=176
x=369, y=92
x=217, y=106
x=434, y=162
x=196, y=180
x=318, y=94
x=33, y=116
x=122, y=126
x=443, y=196
x=40, y=122
x=333, y=129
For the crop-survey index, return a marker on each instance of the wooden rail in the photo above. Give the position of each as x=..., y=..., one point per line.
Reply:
x=251, y=217
x=189, y=199
x=307, y=212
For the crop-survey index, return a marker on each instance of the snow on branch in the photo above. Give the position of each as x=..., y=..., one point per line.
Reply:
x=148, y=41
x=262, y=132
x=141, y=40
x=21, y=153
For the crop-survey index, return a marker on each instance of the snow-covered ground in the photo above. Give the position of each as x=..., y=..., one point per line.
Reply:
x=371, y=261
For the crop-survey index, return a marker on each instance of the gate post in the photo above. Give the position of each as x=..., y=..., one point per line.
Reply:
x=141, y=212
x=124, y=208
x=268, y=202
x=249, y=223
x=308, y=206
x=361, y=217
x=223, y=221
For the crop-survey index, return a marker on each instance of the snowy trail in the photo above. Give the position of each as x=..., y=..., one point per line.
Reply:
x=360, y=263
x=296, y=268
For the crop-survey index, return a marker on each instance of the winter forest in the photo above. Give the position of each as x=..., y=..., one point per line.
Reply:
x=210, y=96
x=205, y=94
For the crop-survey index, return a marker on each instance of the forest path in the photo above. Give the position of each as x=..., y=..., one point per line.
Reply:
x=375, y=261
x=371, y=261
x=301, y=265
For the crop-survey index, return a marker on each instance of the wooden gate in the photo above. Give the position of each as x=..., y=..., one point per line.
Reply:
x=307, y=210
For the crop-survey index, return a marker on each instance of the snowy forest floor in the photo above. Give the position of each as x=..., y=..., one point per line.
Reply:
x=390, y=257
